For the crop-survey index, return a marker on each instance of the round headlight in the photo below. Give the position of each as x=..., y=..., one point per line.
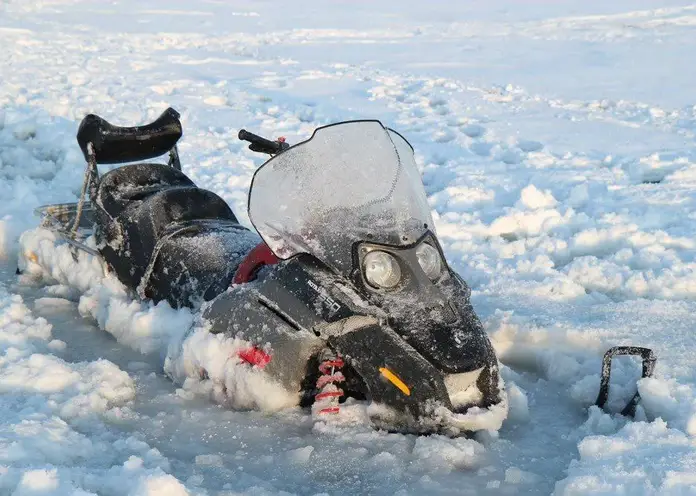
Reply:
x=429, y=260
x=381, y=269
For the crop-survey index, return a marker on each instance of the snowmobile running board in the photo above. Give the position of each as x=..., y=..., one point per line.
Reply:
x=649, y=360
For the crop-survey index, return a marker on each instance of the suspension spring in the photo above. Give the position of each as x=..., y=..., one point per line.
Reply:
x=326, y=401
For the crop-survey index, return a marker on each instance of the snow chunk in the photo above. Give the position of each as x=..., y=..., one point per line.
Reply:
x=300, y=456
x=533, y=199
x=673, y=402
x=616, y=464
x=514, y=475
x=160, y=485
x=36, y=482
x=518, y=404
x=208, y=364
x=441, y=454
x=143, y=326
x=76, y=389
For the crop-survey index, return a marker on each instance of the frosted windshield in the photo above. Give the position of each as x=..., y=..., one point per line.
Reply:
x=353, y=181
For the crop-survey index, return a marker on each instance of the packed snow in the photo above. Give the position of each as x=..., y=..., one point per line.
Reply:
x=556, y=142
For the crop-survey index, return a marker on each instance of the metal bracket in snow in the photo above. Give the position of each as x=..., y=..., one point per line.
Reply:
x=649, y=360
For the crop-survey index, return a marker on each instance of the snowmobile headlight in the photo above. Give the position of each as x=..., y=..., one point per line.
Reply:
x=429, y=260
x=381, y=269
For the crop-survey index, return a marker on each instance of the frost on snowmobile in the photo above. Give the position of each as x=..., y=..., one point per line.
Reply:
x=342, y=291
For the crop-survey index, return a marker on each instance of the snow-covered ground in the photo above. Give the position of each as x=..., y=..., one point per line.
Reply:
x=557, y=143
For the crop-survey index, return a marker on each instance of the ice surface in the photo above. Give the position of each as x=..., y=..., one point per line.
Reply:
x=55, y=437
x=555, y=141
x=146, y=327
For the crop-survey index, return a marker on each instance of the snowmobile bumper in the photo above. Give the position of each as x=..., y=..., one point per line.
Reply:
x=409, y=394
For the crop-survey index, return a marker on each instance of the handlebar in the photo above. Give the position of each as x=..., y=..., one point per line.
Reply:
x=262, y=145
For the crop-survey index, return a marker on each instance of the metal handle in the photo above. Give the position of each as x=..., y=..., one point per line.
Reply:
x=649, y=360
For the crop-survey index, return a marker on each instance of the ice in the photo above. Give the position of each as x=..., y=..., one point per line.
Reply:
x=55, y=436
x=212, y=460
x=441, y=454
x=616, y=464
x=514, y=475
x=38, y=482
x=518, y=404
x=146, y=327
x=301, y=456
x=556, y=143
x=533, y=199
x=161, y=485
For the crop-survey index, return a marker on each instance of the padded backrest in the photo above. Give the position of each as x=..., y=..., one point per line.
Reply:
x=117, y=145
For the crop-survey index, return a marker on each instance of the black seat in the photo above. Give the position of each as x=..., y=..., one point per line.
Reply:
x=121, y=187
x=177, y=204
x=137, y=229
x=195, y=261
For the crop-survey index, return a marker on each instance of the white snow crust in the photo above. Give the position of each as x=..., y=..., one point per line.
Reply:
x=556, y=144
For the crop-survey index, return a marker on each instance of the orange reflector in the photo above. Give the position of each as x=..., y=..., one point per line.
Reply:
x=391, y=377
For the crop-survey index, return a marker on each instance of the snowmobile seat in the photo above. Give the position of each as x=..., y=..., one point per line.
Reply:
x=195, y=261
x=142, y=223
x=121, y=187
x=176, y=204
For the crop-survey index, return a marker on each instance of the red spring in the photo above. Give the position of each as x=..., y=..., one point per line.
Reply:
x=331, y=374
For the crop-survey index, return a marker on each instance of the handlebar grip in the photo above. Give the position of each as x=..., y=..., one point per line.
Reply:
x=261, y=144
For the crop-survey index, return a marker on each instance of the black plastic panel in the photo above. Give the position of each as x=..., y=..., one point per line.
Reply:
x=374, y=347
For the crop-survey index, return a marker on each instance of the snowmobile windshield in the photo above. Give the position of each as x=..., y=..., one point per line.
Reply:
x=350, y=182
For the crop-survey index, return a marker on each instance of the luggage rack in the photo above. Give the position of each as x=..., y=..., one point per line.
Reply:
x=60, y=218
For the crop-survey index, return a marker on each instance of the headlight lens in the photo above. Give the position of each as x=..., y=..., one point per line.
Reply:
x=381, y=269
x=429, y=260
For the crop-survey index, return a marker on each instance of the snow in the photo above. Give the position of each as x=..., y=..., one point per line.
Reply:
x=55, y=437
x=145, y=327
x=627, y=451
x=556, y=144
x=225, y=381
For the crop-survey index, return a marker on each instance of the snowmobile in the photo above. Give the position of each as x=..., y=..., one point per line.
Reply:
x=342, y=291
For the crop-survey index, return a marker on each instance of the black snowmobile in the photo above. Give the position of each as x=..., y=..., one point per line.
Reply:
x=346, y=293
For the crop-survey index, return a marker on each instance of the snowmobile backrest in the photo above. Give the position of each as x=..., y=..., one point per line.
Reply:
x=116, y=145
